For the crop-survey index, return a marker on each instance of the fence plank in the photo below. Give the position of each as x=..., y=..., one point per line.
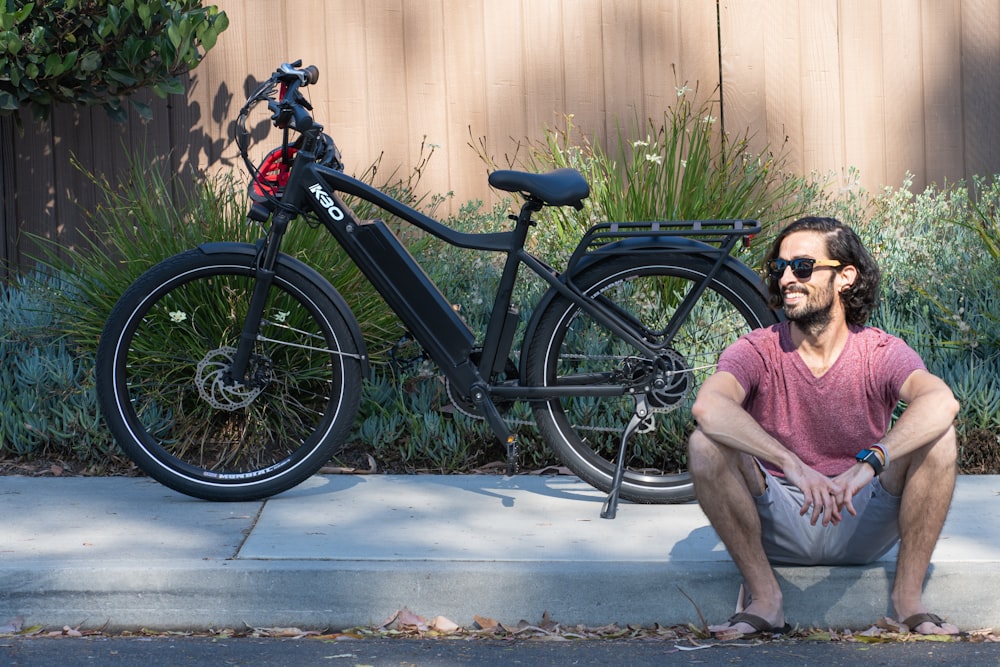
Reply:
x=745, y=58
x=903, y=80
x=426, y=92
x=980, y=64
x=622, y=54
x=465, y=82
x=862, y=60
x=943, y=98
x=583, y=77
x=34, y=189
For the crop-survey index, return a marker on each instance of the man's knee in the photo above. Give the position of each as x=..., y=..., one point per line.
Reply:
x=703, y=453
x=941, y=454
x=949, y=446
x=708, y=460
x=938, y=459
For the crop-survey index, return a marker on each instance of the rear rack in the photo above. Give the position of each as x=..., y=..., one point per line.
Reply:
x=720, y=233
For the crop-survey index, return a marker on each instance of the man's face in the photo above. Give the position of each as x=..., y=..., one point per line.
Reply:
x=808, y=302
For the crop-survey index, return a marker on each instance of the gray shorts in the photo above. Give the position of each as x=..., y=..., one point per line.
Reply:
x=789, y=539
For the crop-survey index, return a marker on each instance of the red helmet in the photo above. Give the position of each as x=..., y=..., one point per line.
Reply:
x=272, y=175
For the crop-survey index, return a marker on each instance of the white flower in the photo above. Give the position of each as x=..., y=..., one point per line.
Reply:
x=281, y=316
x=708, y=120
x=653, y=157
x=640, y=143
x=178, y=316
x=682, y=90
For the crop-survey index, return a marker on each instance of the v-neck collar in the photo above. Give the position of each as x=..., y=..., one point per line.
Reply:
x=788, y=346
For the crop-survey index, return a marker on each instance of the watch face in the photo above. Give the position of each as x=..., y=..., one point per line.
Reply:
x=872, y=459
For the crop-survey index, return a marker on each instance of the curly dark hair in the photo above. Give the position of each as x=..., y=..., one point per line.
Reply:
x=843, y=245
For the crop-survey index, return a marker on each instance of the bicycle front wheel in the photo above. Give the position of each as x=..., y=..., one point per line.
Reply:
x=570, y=349
x=165, y=392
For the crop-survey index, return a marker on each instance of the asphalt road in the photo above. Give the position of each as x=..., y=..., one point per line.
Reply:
x=164, y=651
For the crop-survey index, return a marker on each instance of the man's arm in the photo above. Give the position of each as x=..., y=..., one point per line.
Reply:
x=930, y=410
x=719, y=412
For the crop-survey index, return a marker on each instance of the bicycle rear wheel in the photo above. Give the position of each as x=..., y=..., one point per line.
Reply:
x=162, y=377
x=569, y=348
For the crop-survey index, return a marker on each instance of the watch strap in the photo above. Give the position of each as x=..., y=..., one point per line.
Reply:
x=872, y=459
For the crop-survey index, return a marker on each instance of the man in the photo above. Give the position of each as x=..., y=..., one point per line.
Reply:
x=793, y=459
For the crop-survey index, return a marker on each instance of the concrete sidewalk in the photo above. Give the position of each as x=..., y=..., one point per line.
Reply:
x=342, y=551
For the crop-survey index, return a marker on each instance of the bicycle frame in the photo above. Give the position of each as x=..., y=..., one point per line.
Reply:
x=420, y=305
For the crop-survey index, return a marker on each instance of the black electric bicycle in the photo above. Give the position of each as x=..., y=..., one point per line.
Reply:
x=233, y=371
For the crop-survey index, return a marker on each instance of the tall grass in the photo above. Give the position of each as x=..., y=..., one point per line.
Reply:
x=679, y=167
x=147, y=218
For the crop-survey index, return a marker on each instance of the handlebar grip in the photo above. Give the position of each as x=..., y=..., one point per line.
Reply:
x=289, y=73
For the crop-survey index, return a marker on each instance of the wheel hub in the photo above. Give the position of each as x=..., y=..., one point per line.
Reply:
x=666, y=382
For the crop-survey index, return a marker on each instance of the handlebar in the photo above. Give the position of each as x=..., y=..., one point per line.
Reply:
x=290, y=110
x=292, y=107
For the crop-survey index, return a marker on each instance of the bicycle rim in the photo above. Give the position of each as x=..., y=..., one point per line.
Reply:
x=174, y=409
x=571, y=348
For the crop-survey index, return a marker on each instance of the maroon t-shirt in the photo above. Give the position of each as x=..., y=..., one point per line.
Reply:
x=825, y=421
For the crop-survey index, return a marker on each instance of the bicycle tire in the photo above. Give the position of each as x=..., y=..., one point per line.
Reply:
x=586, y=432
x=160, y=370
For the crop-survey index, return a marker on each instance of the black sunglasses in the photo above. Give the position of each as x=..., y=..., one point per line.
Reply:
x=802, y=267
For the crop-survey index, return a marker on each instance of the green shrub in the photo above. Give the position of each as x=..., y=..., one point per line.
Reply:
x=47, y=397
x=148, y=218
x=99, y=52
x=682, y=168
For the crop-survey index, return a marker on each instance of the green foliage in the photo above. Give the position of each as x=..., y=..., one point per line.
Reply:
x=142, y=220
x=48, y=406
x=937, y=248
x=147, y=218
x=984, y=221
x=99, y=52
x=682, y=168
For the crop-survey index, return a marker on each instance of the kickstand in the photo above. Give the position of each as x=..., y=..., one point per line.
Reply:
x=641, y=417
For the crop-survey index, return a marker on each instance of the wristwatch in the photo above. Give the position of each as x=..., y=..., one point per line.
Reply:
x=871, y=458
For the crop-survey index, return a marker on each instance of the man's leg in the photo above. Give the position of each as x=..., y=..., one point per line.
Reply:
x=925, y=481
x=725, y=482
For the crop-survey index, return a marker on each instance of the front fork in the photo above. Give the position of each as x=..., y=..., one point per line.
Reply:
x=267, y=257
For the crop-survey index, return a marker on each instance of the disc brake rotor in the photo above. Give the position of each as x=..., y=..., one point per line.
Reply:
x=211, y=380
x=665, y=385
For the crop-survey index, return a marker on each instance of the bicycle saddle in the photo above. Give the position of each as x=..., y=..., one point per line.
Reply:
x=562, y=187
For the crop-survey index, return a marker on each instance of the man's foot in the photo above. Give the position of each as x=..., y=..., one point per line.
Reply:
x=745, y=624
x=926, y=623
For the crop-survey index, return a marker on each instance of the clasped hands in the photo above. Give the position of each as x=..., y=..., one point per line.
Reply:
x=827, y=497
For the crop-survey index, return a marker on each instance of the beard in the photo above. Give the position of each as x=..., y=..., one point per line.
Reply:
x=814, y=313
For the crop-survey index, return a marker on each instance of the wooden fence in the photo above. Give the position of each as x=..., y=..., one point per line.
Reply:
x=884, y=86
